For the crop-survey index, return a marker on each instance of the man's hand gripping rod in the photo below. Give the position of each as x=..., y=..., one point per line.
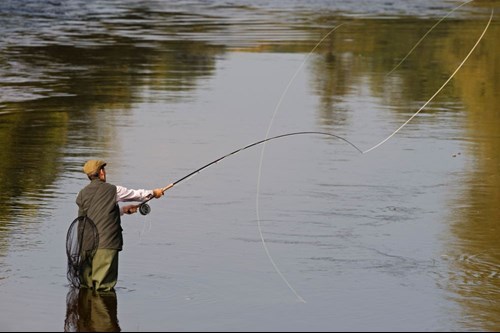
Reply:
x=144, y=208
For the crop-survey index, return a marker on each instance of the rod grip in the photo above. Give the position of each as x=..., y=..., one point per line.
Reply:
x=167, y=187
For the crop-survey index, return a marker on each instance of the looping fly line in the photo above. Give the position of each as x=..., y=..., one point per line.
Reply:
x=145, y=209
x=365, y=151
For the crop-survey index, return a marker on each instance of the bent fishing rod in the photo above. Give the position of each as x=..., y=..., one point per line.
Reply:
x=145, y=209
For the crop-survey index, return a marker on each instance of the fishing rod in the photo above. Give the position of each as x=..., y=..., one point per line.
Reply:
x=145, y=209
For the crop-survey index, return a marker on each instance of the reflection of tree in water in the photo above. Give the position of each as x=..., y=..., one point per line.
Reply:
x=341, y=71
x=475, y=278
x=89, y=311
x=92, y=84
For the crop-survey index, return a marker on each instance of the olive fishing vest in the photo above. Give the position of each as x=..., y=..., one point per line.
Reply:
x=98, y=201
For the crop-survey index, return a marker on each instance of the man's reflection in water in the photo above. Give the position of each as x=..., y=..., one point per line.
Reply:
x=90, y=311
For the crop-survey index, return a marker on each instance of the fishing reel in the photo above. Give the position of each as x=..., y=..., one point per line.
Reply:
x=144, y=209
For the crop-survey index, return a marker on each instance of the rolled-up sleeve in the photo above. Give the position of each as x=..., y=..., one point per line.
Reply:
x=124, y=194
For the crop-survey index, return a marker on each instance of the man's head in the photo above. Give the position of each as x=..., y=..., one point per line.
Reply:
x=95, y=169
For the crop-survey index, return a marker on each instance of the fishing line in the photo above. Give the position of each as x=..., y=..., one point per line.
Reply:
x=437, y=92
x=425, y=35
x=259, y=177
x=147, y=223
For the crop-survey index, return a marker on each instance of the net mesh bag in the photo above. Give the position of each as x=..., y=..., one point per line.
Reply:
x=82, y=241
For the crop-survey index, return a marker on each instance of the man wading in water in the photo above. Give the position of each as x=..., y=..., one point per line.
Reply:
x=99, y=201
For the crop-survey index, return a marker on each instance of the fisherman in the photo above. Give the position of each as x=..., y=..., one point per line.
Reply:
x=99, y=202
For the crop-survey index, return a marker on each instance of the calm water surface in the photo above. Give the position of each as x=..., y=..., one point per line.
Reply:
x=403, y=238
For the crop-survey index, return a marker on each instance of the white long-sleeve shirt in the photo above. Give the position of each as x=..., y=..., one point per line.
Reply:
x=124, y=194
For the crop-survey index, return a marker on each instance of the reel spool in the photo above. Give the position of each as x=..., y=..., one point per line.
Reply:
x=144, y=209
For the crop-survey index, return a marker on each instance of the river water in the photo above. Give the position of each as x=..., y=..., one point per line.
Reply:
x=303, y=233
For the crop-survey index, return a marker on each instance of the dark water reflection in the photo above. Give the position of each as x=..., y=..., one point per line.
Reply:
x=89, y=311
x=402, y=238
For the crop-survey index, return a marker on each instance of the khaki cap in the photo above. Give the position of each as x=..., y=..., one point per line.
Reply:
x=93, y=166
